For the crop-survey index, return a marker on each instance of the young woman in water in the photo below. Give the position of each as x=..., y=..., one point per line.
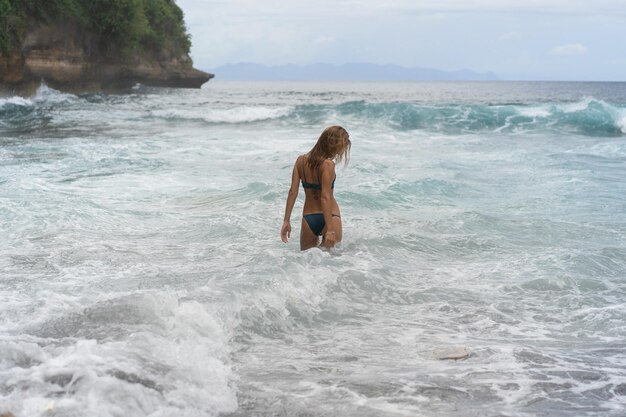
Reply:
x=316, y=169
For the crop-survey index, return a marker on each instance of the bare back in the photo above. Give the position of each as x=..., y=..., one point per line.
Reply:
x=312, y=201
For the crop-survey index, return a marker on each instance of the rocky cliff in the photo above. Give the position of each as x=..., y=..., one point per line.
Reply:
x=66, y=58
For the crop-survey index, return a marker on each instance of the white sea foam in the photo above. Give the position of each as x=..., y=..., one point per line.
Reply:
x=240, y=114
x=534, y=111
x=44, y=94
x=621, y=120
x=15, y=101
x=180, y=367
x=576, y=106
x=49, y=95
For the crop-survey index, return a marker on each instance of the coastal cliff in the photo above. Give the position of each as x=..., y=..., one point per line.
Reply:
x=85, y=49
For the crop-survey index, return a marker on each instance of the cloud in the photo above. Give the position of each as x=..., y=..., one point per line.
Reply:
x=569, y=50
x=547, y=7
x=514, y=38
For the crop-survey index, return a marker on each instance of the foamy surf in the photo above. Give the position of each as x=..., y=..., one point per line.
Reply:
x=15, y=101
x=45, y=94
x=142, y=271
x=241, y=114
x=170, y=357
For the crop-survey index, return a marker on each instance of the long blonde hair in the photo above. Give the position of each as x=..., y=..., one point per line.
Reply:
x=333, y=143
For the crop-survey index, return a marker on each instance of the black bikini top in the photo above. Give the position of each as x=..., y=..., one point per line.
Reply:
x=311, y=185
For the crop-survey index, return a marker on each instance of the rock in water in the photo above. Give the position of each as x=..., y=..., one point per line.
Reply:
x=455, y=353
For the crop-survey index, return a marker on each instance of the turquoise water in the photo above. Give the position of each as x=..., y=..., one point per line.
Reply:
x=142, y=272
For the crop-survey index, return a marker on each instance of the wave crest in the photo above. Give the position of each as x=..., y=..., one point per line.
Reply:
x=589, y=117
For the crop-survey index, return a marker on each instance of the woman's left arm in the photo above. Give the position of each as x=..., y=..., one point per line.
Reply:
x=285, y=231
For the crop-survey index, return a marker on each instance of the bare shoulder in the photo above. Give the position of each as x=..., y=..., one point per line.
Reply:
x=327, y=168
x=328, y=164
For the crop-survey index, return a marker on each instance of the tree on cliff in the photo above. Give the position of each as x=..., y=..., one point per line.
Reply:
x=122, y=28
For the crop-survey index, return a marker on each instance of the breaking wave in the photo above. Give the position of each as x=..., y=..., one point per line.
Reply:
x=588, y=117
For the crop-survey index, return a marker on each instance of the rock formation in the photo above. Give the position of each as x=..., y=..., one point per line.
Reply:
x=66, y=58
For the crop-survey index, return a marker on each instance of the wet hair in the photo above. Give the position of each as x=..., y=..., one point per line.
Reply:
x=333, y=143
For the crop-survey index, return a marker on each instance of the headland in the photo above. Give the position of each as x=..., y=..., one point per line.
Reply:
x=88, y=46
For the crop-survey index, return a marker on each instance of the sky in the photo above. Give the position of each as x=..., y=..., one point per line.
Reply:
x=516, y=39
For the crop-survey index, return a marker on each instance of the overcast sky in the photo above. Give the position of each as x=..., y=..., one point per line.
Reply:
x=516, y=39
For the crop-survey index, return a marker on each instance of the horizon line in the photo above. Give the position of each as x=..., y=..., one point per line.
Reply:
x=496, y=76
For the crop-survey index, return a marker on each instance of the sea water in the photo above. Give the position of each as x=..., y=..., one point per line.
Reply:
x=142, y=273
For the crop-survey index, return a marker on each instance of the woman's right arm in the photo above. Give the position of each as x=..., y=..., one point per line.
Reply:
x=328, y=176
x=285, y=231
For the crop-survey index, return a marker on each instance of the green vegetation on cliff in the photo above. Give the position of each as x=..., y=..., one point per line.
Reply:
x=121, y=28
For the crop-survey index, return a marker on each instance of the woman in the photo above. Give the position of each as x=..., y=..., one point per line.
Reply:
x=316, y=169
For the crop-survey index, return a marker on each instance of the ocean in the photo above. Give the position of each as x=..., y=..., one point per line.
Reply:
x=142, y=272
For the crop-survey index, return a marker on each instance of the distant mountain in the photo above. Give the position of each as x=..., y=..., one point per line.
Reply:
x=353, y=71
